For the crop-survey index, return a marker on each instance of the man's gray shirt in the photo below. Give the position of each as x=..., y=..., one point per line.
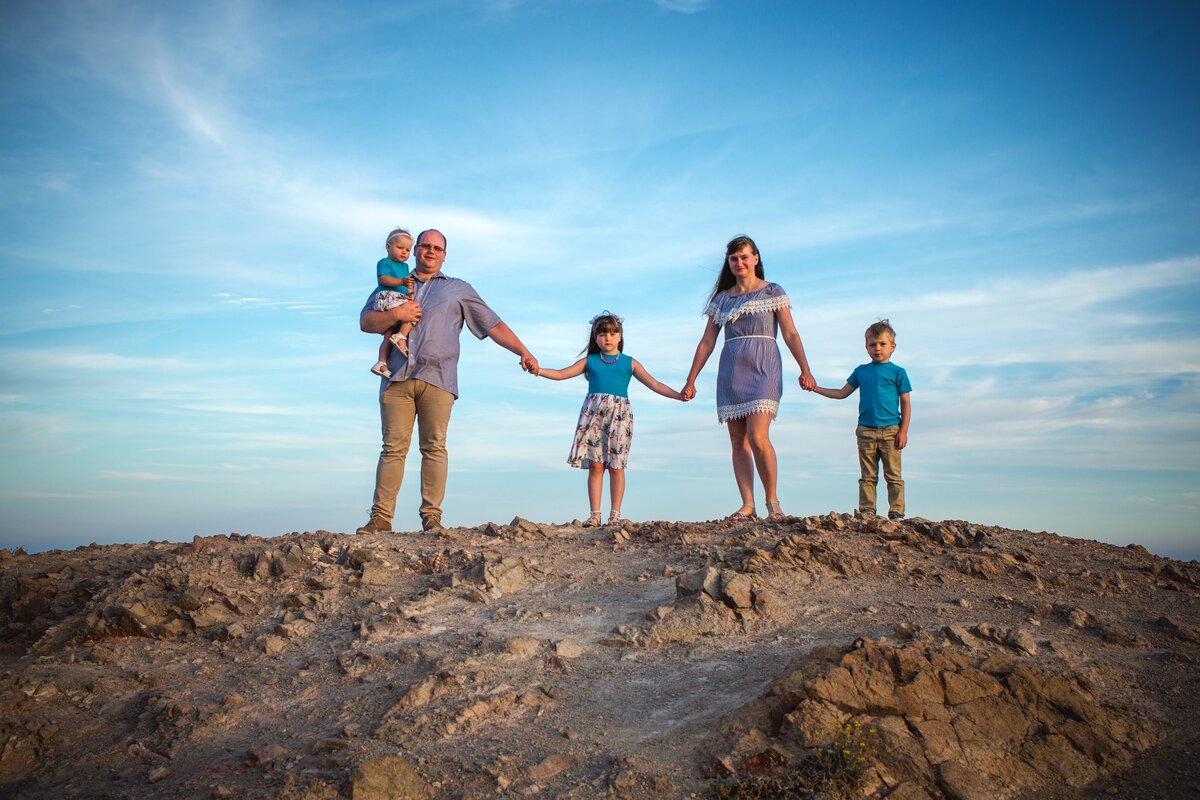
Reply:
x=433, y=344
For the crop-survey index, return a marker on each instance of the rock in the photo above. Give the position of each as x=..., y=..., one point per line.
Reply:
x=550, y=766
x=522, y=524
x=212, y=615
x=506, y=575
x=266, y=755
x=523, y=647
x=568, y=648
x=273, y=645
x=1078, y=618
x=1114, y=633
x=694, y=617
x=737, y=590
x=960, y=635
x=947, y=724
x=157, y=774
x=706, y=580
x=418, y=694
x=1022, y=640
x=388, y=778
x=377, y=573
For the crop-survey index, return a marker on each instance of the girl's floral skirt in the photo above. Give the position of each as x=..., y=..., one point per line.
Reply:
x=604, y=432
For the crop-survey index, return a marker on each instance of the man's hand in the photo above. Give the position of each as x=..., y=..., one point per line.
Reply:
x=529, y=364
x=383, y=321
x=408, y=312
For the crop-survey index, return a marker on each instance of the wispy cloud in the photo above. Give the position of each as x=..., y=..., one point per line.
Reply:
x=682, y=6
x=149, y=477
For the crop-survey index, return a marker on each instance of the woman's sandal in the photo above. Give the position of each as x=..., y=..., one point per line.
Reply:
x=776, y=512
x=614, y=518
x=741, y=516
x=593, y=521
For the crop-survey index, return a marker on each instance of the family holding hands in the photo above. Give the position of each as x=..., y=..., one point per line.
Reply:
x=421, y=313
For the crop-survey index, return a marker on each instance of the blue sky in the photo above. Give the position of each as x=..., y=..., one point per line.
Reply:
x=193, y=198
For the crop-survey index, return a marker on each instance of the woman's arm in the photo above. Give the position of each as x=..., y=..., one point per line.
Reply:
x=708, y=341
x=650, y=383
x=791, y=338
x=572, y=371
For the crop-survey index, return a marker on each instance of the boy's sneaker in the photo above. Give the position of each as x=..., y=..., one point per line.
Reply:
x=381, y=370
x=431, y=522
x=894, y=515
x=375, y=525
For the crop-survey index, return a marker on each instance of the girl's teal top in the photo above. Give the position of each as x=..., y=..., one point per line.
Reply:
x=604, y=378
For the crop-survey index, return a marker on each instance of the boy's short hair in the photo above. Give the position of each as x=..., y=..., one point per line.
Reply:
x=879, y=329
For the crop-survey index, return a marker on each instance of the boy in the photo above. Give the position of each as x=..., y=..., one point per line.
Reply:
x=883, y=417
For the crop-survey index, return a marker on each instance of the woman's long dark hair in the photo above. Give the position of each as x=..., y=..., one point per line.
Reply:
x=607, y=322
x=725, y=279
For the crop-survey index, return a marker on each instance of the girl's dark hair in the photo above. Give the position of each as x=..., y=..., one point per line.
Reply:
x=725, y=279
x=607, y=322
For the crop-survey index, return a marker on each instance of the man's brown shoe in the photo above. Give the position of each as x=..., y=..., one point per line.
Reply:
x=431, y=523
x=376, y=525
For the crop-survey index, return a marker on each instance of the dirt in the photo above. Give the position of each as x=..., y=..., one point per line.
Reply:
x=552, y=660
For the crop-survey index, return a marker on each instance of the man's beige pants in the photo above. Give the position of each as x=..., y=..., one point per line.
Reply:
x=400, y=404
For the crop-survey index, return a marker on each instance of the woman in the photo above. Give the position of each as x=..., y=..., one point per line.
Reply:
x=750, y=376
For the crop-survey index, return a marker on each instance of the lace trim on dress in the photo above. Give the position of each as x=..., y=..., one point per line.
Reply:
x=767, y=304
x=739, y=410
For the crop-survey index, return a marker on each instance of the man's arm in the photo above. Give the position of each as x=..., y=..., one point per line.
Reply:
x=382, y=321
x=502, y=335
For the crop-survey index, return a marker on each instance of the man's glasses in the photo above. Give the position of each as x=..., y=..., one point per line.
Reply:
x=434, y=247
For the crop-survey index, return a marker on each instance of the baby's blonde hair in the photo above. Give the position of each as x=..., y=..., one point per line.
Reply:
x=396, y=232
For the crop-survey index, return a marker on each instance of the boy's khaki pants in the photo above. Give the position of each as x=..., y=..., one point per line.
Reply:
x=400, y=404
x=876, y=445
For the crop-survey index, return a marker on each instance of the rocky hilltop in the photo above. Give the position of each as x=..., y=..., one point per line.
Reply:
x=827, y=656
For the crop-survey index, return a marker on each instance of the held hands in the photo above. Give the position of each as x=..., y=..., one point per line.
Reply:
x=530, y=364
x=688, y=391
x=807, y=382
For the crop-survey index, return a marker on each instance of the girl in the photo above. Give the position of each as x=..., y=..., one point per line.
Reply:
x=752, y=311
x=395, y=286
x=605, y=427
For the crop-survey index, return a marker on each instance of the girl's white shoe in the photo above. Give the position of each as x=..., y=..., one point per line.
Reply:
x=381, y=370
x=400, y=342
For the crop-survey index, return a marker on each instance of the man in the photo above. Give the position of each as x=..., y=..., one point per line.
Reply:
x=424, y=386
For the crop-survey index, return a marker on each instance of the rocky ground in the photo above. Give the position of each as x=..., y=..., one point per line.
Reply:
x=814, y=657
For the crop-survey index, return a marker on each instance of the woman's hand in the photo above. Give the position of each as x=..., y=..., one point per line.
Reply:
x=688, y=391
x=807, y=381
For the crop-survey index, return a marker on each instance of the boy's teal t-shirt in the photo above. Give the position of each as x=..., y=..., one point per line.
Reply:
x=392, y=269
x=606, y=378
x=879, y=388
